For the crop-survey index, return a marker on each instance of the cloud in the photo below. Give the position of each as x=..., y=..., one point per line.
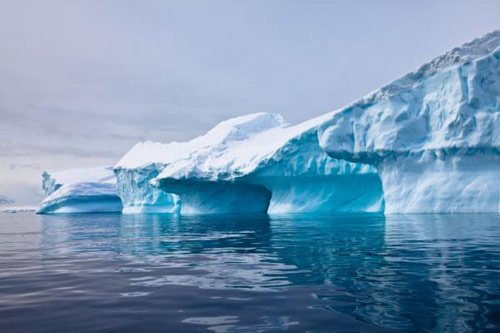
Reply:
x=4, y=200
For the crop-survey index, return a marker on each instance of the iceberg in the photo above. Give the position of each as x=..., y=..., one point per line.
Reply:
x=427, y=142
x=433, y=135
x=88, y=190
x=259, y=164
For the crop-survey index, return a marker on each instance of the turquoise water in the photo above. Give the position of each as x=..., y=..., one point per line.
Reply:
x=111, y=272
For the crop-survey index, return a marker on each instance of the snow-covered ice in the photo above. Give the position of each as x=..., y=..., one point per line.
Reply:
x=256, y=164
x=434, y=134
x=80, y=191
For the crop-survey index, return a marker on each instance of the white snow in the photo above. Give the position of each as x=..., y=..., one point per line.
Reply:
x=231, y=130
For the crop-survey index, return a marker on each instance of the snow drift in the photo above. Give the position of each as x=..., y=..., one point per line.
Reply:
x=433, y=135
x=80, y=191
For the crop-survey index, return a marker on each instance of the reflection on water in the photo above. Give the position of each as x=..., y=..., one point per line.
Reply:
x=251, y=273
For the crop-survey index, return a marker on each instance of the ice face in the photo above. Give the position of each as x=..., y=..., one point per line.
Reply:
x=80, y=191
x=138, y=196
x=434, y=135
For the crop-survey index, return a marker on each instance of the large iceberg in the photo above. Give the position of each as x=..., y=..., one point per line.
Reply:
x=86, y=190
x=257, y=164
x=428, y=142
x=433, y=135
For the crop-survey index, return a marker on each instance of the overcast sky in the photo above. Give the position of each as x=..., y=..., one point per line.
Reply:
x=83, y=81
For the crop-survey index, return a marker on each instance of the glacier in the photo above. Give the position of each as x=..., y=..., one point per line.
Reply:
x=433, y=135
x=85, y=190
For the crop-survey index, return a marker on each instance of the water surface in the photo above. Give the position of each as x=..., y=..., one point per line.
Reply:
x=332, y=273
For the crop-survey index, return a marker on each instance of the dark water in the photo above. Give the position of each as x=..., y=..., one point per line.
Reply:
x=254, y=274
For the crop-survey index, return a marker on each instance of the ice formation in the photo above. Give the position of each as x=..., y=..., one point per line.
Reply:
x=428, y=142
x=135, y=191
x=258, y=164
x=433, y=135
x=147, y=159
x=80, y=191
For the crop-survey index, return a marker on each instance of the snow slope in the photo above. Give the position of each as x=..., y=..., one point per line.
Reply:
x=258, y=164
x=433, y=135
x=80, y=191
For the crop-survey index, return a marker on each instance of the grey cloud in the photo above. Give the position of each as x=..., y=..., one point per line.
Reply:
x=4, y=200
x=38, y=150
x=14, y=166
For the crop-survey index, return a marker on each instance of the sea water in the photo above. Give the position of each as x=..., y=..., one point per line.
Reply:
x=317, y=273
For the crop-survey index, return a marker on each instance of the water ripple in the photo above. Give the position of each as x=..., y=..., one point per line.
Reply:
x=250, y=274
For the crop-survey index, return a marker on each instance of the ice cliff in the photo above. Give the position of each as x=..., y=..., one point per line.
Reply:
x=80, y=191
x=258, y=164
x=433, y=135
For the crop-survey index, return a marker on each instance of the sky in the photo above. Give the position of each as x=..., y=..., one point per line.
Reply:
x=82, y=81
